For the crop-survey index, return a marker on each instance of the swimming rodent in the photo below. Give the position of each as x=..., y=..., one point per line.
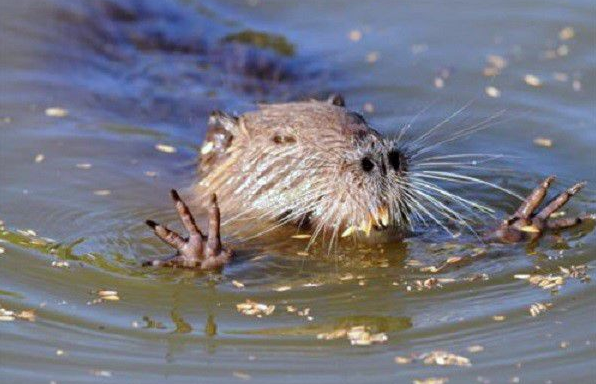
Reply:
x=321, y=166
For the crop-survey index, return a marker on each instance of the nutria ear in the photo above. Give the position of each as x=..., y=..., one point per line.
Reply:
x=219, y=119
x=221, y=130
x=336, y=99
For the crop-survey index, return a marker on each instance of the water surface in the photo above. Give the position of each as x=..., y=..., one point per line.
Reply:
x=137, y=74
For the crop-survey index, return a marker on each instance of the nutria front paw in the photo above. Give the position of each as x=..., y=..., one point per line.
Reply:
x=196, y=251
x=524, y=224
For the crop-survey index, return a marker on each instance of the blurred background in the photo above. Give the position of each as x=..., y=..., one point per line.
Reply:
x=103, y=105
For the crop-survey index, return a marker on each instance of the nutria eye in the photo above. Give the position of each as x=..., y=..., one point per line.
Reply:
x=394, y=159
x=367, y=165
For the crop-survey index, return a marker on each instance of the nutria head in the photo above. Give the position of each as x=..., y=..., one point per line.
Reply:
x=310, y=163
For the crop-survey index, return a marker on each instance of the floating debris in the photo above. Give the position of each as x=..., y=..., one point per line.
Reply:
x=495, y=66
x=439, y=83
x=577, y=85
x=102, y=192
x=108, y=295
x=427, y=284
x=8, y=315
x=543, y=142
x=355, y=35
x=403, y=360
x=56, y=112
x=359, y=335
x=283, y=288
x=304, y=312
x=552, y=282
x=83, y=165
x=444, y=358
x=497, y=61
x=567, y=33
x=533, y=80
x=39, y=158
x=333, y=335
x=237, y=284
x=475, y=348
x=368, y=107
x=2, y=250
x=579, y=272
x=564, y=344
x=431, y=380
x=105, y=295
x=499, y=318
x=492, y=91
x=538, y=308
x=27, y=232
x=241, y=375
x=165, y=148
x=100, y=373
x=60, y=264
x=373, y=57
x=252, y=308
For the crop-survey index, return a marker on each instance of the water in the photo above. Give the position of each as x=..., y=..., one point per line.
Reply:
x=150, y=72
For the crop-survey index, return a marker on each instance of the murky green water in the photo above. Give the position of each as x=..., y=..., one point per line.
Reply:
x=130, y=79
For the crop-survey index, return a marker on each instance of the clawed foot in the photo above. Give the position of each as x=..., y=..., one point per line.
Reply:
x=524, y=224
x=196, y=251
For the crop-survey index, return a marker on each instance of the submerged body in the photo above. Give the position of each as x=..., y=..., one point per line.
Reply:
x=318, y=165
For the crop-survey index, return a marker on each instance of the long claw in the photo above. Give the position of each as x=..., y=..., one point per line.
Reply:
x=559, y=201
x=534, y=199
x=187, y=219
x=213, y=237
x=166, y=235
x=569, y=222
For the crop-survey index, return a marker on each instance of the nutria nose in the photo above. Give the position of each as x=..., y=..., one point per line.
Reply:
x=394, y=158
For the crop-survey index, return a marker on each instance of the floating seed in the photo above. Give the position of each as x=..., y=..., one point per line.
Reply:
x=431, y=380
x=355, y=35
x=56, y=112
x=165, y=148
x=252, y=308
x=444, y=358
x=543, y=142
x=492, y=92
x=567, y=33
x=533, y=80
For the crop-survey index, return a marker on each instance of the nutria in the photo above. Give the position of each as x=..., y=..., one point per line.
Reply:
x=318, y=165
